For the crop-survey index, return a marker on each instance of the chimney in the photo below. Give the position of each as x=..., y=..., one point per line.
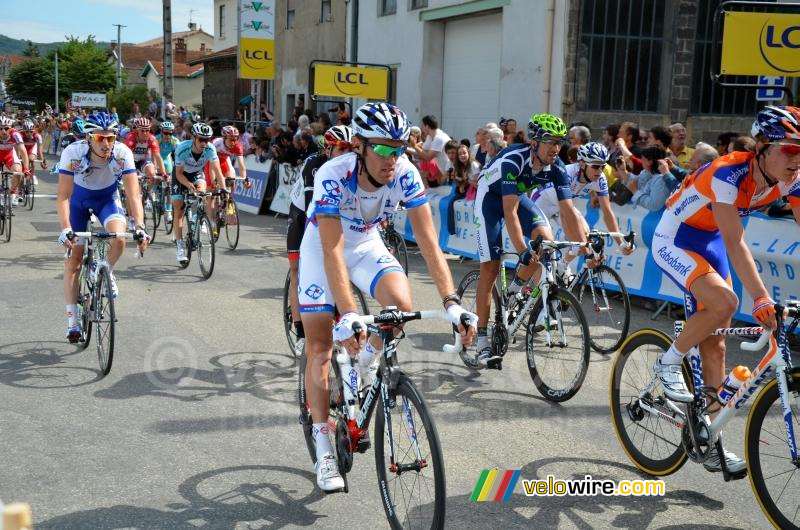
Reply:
x=192, y=26
x=179, y=55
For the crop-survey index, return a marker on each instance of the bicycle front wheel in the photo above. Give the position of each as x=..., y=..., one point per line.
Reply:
x=30, y=188
x=150, y=219
x=773, y=475
x=558, y=348
x=288, y=318
x=647, y=424
x=85, y=304
x=606, y=305
x=232, y=224
x=104, y=320
x=8, y=215
x=205, y=246
x=412, y=485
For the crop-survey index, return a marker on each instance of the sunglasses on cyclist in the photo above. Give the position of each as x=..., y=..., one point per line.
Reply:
x=789, y=150
x=551, y=141
x=386, y=151
x=5, y=128
x=596, y=166
x=340, y=144
x=110, y=138
x=166, y=132
x=202, y=140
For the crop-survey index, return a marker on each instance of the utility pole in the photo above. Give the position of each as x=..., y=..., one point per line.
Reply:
x=167, y=87
x=119, y=54
x=56, y=108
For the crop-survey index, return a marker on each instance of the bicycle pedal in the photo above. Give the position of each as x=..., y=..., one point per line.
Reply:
x=734, y=476
x=494, y=365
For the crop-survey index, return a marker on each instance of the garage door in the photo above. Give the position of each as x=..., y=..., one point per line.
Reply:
x=471, y=74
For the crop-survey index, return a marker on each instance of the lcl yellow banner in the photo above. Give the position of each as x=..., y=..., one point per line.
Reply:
x=351, y=81
x=256, y=58
x=760, y=44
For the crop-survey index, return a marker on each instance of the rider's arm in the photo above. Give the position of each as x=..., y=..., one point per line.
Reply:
x=242, y=167
x=609, y=218
x=181, y=178
x=159, y=163
x=428, y=241
x=332, y=240
x=133, y=196
x=730, y=226
x=216, y=172
x=570, y=218
x=23, y=155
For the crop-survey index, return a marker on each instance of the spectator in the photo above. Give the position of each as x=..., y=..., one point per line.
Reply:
x=114, y=113
x=572, y=154
x=478, y=149
x=308, y=146
x=467, y=169
x=742, y=144
x=325, y=121
x=496, y=143
x=682, y=152
x=609, y=137
x=264, y=114
x=702, y=154
x=724, y=141
x=509, y=128
x=302, y=123
x=451, y=150
x=579, y=135
x=629, y=132
x=433, y=160
x=283, y=151
x=653, y=185
x=465, y=142
x=342, y=116
x=659, y=136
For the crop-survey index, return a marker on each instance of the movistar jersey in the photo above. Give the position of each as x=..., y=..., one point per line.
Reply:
x=510, y=173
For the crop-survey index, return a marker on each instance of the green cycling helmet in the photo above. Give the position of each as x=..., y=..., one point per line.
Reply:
x=541, y=125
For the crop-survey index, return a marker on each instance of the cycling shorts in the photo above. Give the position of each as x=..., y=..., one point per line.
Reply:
x=142, y=164
x=367, y=262
x=179, y=190
x=9, y=157
x=686, y=253
x=489, y=219
x=105, y=204
x=294, y=232
x=224, y=166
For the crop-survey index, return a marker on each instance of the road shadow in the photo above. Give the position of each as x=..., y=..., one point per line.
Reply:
x=159, y=274
x=275, y=293
x=255, y=496
x=39, y=261
x=47, y=365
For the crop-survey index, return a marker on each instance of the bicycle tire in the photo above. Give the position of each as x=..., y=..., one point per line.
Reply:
x=150, y=221
x=3, y=213
x=84, y=304
x=305, y=411
x=188, y=237
x=30, y=189
x=104, y=319
x=9, y=215
x=232, y=224
x=467, y=291
x=765, y=441
x=625, y=405
x=603, y=317
x=205, y=247
x=559, y=300
x=397, y=246
x=431, y=511
x=166, y=203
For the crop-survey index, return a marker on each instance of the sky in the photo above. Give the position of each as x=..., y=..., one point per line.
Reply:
x=49, y=20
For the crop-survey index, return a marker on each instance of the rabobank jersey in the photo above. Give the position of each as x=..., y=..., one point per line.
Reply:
x=510, y=173
x=546, y=198
x=336, y=193
x=728, y=180
x=75, y=162
x=190, y=162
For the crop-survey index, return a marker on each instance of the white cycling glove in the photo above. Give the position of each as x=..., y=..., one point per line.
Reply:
x=454, y=312
x=66, y=235
x=344, y=328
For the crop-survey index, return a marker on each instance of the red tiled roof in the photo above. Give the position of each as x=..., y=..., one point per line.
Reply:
x=158, y=41
x=138, y=56
x=227, y=52
x=15, y=59
x=178, y=69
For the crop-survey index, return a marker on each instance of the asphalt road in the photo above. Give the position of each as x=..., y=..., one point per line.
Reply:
x=196, y=425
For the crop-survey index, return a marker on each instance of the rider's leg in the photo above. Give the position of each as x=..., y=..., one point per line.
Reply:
x=533, y=222
x=293, y=303
x=15, y=180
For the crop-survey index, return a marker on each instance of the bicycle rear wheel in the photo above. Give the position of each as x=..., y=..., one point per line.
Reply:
x=30, y=188
x=232, y=224
x=412, y=487
x=85, y=304
x=648, y=427
x=558, y=364
x=2, y=213
x=773, y=475
x=606, y=306
x=104, y=320
x=468, y=292
x=205, y=246
x=397, y=246
x=8, y=215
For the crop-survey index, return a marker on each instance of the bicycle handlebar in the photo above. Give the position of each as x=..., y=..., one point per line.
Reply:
x=396, y=317
x=790, y=310
x=760, y=343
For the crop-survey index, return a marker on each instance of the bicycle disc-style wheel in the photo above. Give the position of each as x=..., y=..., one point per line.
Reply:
x=606, y=306
x=397, y=246
x=85, y=305
x=648, y=427
x=774, y=477
x=468, y=292
x=558, y=363
x=232, y=224
x=8, y=216
x=413, y=487
x=30, y=188
x=205, y=247
x=335, y=384
x=150, y=221
x=104, y=320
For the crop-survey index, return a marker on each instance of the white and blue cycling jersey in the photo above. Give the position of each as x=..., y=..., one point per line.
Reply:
x=547, y=199
x=190, y=162
x=94, y=187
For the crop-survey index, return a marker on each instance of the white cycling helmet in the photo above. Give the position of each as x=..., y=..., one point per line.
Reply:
x=202, y=130
x=381, y=120
x=593, y=152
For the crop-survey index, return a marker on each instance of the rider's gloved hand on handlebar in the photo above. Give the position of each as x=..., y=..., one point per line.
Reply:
x=525, y=257
x=66, y=237
x=764, y=312
x=627, y=248
x=465, y=321
x=345, y=334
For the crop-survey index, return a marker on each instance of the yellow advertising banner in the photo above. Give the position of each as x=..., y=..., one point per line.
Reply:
x=351, y=81
x=760, y=44
x=256, y=58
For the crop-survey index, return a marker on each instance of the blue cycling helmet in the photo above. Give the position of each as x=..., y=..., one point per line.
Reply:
x=382, y=121
x=167, y=126
x=79, y=127
x=593, y=152
x=100, y=121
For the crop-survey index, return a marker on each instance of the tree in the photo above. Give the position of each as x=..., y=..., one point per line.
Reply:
x=33, y=78
x=124, y=98
x=31, y=50
x=83, y=66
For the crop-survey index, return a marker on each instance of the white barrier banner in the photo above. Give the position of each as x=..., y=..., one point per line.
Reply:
x=282, y=199
x=249, y=200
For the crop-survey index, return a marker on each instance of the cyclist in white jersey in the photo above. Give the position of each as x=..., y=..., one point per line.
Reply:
x=585, y=176
x=88, y=174
x=190, y=157
x=352, y=194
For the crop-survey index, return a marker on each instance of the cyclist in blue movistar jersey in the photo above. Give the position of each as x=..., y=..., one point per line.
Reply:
x=502, y=195
x=190, y=157
x=167, y=142
x=88, y=174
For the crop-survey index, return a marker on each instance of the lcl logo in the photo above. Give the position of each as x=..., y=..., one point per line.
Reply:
x=351, y=83
x=257, y=59
x=777, y=45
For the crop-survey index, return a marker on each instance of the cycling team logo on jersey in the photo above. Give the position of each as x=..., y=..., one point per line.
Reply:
x=74, y=165
x=332, y=192
x=385, y=259
x=315, y=291
x=408, y=185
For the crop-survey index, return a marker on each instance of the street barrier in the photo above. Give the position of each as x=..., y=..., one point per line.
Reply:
x=286, y=177
x=774, y=243
x=249, y=200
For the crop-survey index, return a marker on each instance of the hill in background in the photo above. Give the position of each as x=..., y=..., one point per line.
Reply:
x=9, y=46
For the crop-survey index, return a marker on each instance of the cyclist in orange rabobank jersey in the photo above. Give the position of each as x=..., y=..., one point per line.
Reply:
x=701, y=228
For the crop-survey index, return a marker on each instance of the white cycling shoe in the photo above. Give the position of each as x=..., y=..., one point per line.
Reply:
x=732, y=462
x=671, y=377
x=328, y=478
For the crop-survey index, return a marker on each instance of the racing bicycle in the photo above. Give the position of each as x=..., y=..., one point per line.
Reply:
x=659, y=435
x=226, y=214
x=197, y=234
x=6, y=215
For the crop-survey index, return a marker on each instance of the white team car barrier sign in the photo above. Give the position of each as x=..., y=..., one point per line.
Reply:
x=282, y=199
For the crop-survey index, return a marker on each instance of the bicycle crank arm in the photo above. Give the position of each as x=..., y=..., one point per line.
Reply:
x=670, y=418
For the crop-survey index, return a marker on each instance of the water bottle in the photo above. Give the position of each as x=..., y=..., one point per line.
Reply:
x=732, y=383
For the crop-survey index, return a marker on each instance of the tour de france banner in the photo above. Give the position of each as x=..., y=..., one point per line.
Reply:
x=774, y=243
x=256, y=48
